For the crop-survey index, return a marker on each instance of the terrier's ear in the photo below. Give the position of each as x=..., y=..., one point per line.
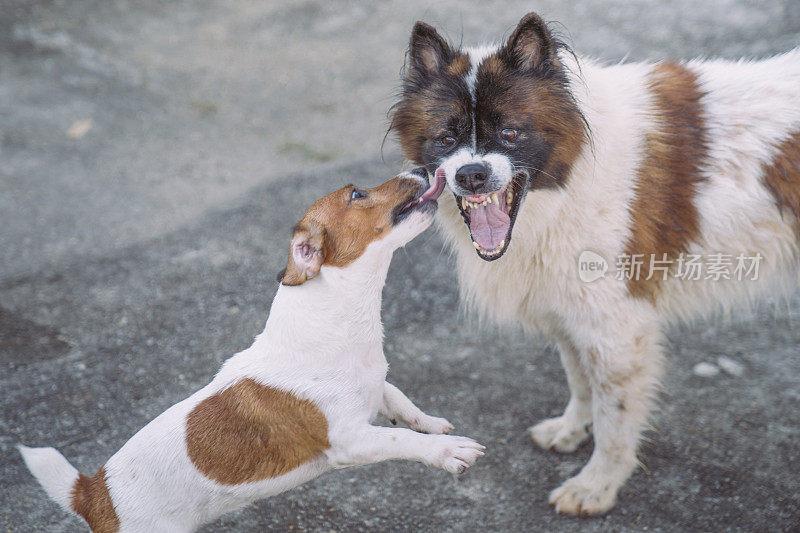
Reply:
x=305, y=254
x=531, y=45
x=428, y=51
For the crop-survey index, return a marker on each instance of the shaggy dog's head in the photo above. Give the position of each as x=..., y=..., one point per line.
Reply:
x=499, y=121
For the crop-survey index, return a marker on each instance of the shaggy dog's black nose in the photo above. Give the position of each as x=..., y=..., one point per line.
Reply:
x=473, y=176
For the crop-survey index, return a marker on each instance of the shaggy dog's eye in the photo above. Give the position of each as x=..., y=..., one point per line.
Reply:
x=447, y=140
x=358, y=194
x=508, y=134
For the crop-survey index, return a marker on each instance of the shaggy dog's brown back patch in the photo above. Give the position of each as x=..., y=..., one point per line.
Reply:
x=782, y=176
x=664, y=217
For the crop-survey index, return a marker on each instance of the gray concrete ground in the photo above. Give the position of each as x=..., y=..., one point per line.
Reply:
x=138, y=255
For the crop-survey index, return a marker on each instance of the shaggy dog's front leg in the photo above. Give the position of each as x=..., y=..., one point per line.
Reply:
x=623, y=362
x=566, y=432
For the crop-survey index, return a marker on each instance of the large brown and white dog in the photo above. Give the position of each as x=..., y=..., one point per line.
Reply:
x=296, y=403
x=663, y=161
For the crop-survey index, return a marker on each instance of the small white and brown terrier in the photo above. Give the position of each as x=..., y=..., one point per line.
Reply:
x=665, y=161
x=297, y=403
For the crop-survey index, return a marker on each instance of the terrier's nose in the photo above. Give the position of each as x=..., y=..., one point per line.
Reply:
x=472, y=176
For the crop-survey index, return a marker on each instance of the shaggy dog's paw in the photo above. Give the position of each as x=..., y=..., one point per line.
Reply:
x=559, y=434
x=430, y=424
x=580, y=497
x=454, y=454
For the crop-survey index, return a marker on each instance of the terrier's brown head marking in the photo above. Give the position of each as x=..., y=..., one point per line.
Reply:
x=338, y=228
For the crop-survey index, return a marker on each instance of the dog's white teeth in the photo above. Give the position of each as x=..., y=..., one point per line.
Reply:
x=489, y=199
x=476, y=245
x=494, y=197
x=464, y=204
x=485, y=203
x=502, y=243
x=509, y=197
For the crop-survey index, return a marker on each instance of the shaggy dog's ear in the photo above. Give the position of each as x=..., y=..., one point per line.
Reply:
x=305, y=254
x=428, y=51
x=531, y=45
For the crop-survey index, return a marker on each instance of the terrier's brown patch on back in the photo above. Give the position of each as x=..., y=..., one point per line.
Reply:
x=664, y=217
x=250, y=432
x=92, y=501
x=782, y=176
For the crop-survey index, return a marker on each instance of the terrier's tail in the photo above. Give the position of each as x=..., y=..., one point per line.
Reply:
x=53, y=472
x=87, y=497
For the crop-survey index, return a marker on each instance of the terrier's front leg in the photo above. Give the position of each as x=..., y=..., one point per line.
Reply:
x=397, y=406
x=623, y=377
x=373, y=444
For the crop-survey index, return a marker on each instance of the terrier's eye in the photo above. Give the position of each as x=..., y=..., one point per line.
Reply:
x=358, y=194
x=508, y=134
x=447, y=140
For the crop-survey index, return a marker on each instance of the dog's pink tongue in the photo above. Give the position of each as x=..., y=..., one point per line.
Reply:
x=488, y=225
x=436, y=188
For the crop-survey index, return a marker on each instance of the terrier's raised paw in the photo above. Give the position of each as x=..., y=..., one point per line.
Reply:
x=431, y=424
x=455, y=454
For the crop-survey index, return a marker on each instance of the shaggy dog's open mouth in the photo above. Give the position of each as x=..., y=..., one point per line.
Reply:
x=490, y=217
